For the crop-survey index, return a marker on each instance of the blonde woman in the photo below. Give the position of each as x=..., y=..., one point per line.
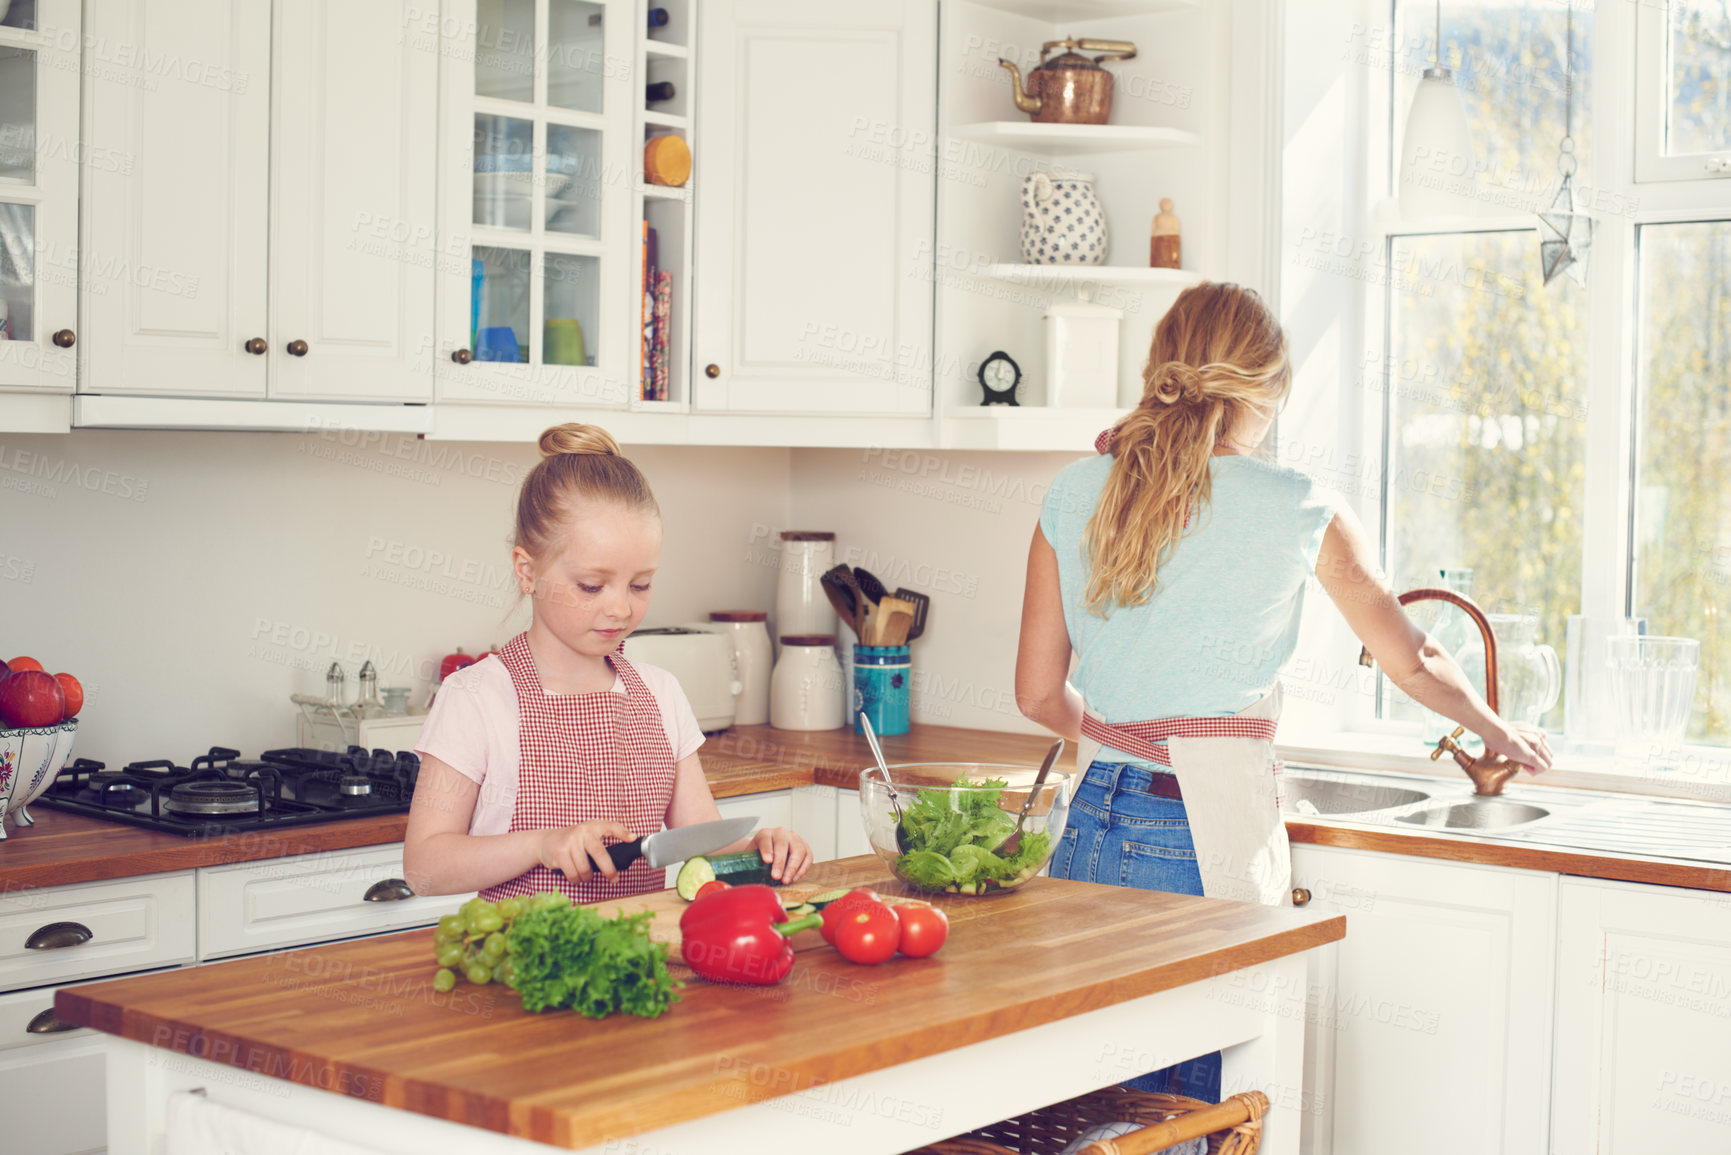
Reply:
x=1173, y=564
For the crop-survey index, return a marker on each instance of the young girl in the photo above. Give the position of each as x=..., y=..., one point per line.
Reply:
x=535, y=760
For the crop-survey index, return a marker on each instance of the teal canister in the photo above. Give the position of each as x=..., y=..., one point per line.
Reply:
x=880, y=687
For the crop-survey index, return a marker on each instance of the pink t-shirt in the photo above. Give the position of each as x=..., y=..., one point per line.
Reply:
x=472, y=728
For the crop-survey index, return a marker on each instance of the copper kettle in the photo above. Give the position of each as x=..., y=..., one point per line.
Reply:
x=1069, y=88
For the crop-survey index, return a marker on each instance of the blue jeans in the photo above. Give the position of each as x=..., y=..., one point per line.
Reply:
x=1121, y=835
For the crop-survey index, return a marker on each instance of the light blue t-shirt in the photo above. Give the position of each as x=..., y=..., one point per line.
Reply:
x=1224, y=616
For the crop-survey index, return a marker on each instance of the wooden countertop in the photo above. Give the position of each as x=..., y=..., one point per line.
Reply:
x=363, y=1016
x=65, y=848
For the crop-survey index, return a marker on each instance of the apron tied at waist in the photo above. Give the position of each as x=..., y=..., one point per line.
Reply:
x=1230, y=782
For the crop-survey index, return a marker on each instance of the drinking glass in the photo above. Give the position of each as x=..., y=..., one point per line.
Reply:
x=1652, y=690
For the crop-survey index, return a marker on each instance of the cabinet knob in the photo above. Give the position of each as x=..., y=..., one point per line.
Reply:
x=388, y=890
x=297, y=348
x=256, y=346
x=462, y=356
x=46, y=1024
x=64, y=338
x=57, y=935
x=712, y=370
x=1300, y=896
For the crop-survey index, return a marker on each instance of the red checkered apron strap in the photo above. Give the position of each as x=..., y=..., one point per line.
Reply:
x=1147, y=740
x=582, y=758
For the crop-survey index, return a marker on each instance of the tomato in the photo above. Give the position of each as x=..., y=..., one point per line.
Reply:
x=833, y=912
x=711, y=887
x=923, y=928
x=18, y=664
x=74, y=694
x=867, y=933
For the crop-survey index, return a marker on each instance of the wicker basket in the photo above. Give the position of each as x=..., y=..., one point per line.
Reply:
x=1233, y=1127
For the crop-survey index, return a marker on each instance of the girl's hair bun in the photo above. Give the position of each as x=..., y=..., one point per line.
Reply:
x=574, y=438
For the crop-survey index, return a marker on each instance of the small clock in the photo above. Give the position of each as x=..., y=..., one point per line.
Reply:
x=999, y=376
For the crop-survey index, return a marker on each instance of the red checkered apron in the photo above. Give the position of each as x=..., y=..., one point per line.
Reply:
x=585, y=757
x=1147, y=740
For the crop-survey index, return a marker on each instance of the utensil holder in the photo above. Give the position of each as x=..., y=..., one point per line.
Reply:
x=881, y=689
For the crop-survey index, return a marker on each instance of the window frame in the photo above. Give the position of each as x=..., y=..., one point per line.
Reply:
x=1613, y=326
x=1652, y=107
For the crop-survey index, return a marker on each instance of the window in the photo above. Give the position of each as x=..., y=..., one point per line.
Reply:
x=1570, y=444
x=1682, y=550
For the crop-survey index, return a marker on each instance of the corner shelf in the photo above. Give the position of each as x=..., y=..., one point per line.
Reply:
x=1075, y=139
x=1104, y=274
x=667, y=120
x=665, y=192
x=665, y=50
x=1027, y=427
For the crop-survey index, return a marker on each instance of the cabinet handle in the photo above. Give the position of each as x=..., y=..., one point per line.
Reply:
x=65, y=338
x=712, y=371
x=462, y=356
x=57, y=935
x=388, y=890
x=256, y=346
x=46, y=1024
x=1300, y=896
x=297, y=348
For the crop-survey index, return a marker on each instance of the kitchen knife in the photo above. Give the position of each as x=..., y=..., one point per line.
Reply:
x=665, y=847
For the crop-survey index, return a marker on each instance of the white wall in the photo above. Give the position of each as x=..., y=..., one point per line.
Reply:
x=950, y=524
x=192, y=581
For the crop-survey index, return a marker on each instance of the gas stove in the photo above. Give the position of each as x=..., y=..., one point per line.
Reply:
x=220, y=792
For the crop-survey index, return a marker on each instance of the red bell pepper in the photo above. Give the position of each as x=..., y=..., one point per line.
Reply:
x=740, y=935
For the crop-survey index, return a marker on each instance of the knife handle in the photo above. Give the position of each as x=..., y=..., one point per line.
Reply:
x=624, y=854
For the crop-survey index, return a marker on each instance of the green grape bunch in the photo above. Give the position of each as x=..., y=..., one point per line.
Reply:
x=472, y=942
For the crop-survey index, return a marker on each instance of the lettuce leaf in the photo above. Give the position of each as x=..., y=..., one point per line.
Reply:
x=572, y=956
x=952, y=836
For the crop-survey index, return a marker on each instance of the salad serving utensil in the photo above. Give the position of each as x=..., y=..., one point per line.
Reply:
x=884, y=769
x=1014, y=842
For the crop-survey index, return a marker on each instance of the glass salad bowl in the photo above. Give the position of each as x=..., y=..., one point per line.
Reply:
x=954, y=818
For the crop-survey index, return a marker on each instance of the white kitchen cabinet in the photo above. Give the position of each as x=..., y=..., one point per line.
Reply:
x=1429, y=1025
x=1643, y=1053
x=814, y=207
x=89, y=929
x=536, y=102
x=52, y=1080
x=40, y=50
x=353, y=180
x=282, y=902
x=250, y=247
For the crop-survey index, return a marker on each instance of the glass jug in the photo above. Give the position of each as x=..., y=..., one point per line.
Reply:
x=1529, y=676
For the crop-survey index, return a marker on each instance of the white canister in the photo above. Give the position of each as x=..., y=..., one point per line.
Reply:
x=805, y=692
x=1082, y=355
x=801, y=606
x=753, y=657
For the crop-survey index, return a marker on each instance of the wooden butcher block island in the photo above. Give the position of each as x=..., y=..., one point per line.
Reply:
x=1040, y=994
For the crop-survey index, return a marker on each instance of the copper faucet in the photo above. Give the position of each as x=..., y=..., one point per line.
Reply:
x=1489, y=774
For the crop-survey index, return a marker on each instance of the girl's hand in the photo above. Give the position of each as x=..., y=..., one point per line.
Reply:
x=577, y=851
x=788, y=855
x=1524, y=744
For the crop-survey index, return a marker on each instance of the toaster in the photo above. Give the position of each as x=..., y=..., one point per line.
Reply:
x=701, y=662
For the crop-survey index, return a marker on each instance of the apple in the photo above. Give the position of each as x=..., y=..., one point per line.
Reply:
x=74, y=695
x=451, y=663
x=29, y=699
x=18, y=664
x=4, y=670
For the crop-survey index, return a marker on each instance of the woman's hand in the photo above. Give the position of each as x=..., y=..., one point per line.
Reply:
x=578, y=852
x=788, y=855
x=1520, y=743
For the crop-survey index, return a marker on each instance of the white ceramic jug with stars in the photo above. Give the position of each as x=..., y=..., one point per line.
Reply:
x=1062, y=222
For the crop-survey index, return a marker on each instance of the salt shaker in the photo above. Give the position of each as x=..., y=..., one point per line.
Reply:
x=754, y=657
x=801, y=606
x=805, y=692
x=334, y=684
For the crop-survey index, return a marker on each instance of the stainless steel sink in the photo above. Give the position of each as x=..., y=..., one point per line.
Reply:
x=1331, y=796
x=1476, y=814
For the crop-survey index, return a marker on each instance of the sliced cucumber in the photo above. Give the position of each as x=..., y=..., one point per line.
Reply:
x=822, y=900
x=801, y=910
x=738, y=869
x=692, y=876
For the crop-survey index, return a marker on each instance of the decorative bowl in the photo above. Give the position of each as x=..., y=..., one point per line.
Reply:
x=29, y=760
x=955, y=816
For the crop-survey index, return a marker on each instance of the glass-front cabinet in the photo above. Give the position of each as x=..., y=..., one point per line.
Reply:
x=40, y=43
x=536, y=181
